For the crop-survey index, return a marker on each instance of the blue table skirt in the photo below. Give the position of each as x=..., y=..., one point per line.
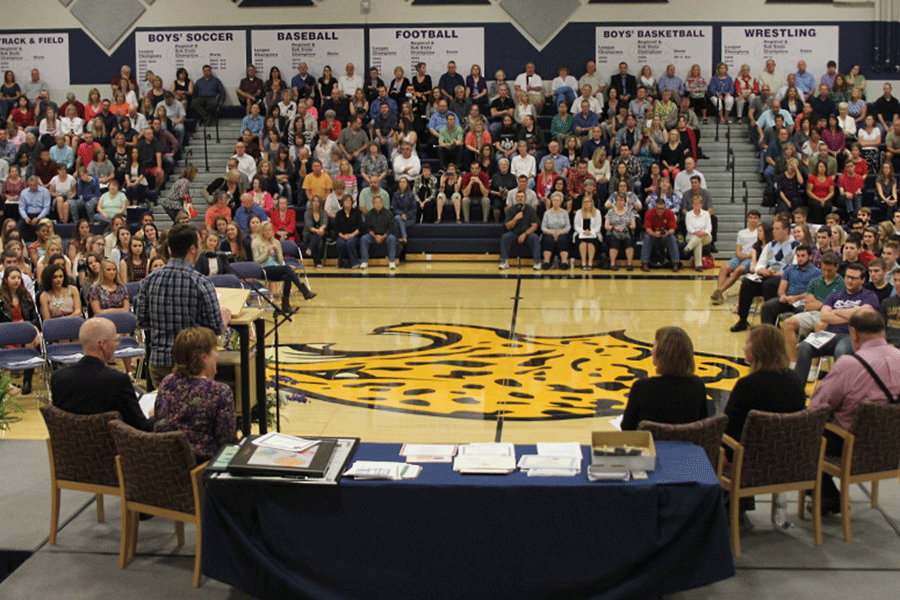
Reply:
x=445, y=535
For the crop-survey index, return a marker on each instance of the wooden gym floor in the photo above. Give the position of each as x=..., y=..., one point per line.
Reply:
x=463, y=352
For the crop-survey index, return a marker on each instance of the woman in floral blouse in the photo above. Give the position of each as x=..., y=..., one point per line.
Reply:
x=190, y=401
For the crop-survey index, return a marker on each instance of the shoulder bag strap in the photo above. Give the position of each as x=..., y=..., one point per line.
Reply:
x=884, y=388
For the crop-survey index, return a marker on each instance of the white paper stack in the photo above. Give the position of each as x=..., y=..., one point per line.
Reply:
x=486, y=459
x=375, y=469
x=428, y=453
x=280, y=441
x=553, y=459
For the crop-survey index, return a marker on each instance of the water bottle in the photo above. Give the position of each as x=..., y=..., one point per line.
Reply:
x=780, y=512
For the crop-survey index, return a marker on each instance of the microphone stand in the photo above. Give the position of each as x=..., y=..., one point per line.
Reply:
x=285, y=317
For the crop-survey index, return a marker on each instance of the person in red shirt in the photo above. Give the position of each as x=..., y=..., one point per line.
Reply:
x=475, y=186
x=659, y=228
x=46, y=168
x=86, y=150
x=851, y=185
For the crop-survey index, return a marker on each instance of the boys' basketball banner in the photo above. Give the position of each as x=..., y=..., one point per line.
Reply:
x=657, y=46
x=287, y=48
x=435, y=46
x=46, y=52
x=164, y=52
x=785, y=44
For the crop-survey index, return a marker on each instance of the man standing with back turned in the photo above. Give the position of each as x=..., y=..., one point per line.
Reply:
x=175, y=297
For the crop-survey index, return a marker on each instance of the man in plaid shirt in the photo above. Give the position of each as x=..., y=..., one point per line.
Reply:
x=175, y=297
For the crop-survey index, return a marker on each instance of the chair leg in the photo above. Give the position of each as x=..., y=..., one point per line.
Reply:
x=772, y=515
x=179, y=532
x=875, y=494
x=101, y=511
x=55, y=494
x=817, y=511
x=801, y=510
x=126, y=534
x=735, y=526
x=133, y=533
x=197, y=575
x=845, y=509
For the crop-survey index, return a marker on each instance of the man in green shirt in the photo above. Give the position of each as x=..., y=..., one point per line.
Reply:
x=450, y=143
x=804, y=323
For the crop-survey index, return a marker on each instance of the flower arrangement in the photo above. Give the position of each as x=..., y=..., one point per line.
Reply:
x=10, y=410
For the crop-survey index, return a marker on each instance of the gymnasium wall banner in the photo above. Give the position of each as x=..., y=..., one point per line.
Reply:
x=164, y=52
x=47, y=52
x=435, y=46
x=755, y=44
x=286, y=48
x=657, y=46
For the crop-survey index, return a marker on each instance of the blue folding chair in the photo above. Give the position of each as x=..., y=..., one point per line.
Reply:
x=126, y=326
x=23, y=358
x=253, y=278
x=133, y=288
x=293, y=257
x=226, y=280
x=57, y=351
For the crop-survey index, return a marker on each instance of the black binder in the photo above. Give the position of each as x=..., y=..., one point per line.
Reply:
x=241, y=464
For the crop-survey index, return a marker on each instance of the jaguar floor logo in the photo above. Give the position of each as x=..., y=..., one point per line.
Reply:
x=472, y=372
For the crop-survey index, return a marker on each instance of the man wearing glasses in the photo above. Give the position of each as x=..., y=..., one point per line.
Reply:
x=835, y=314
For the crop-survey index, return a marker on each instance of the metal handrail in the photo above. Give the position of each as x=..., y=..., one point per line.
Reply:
x=206, y=138
x=746, y=201
x=730, y=161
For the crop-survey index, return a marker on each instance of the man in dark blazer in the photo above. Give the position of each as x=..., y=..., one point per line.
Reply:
x=625, y=83
x=89, y=386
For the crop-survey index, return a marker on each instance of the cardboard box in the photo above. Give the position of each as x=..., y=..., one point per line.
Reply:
x=640, y=439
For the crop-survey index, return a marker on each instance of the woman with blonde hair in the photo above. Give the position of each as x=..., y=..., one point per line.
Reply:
x=588, y=225
x=676, y=395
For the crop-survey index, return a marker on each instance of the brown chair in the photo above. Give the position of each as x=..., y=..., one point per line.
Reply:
x=159, y=476
x=778, y=452
x=706, y=433
x=82, y=458
x=871, y=452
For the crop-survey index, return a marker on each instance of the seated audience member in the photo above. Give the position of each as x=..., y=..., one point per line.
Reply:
x=741, y=259
x=877, y=281
x=34, y=205
x=379, y=226
x=426, y=189
x=699, y=227
x=770, y=266
x=501, y=183
x=349, y=228
x=17, y=305
x=555, y=226
x=850, y=189
x=406, y=164
x=475, y=186
x=315, y=225
x=791, y=188
x=836, y=312
x=850, y=382
x=521, y=224
x=267, y=252
x=91, y=387
x=621, y=222
x=403, y=205
x=793, y=287
x=190, y=401
x=246, y=210
x=659, y=228
x=803, y=323
x=450, y=142
x=682, y=181
x=771, y=386
x=676, y=395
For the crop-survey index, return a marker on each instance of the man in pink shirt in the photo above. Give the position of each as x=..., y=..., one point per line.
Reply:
x=849, y=383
